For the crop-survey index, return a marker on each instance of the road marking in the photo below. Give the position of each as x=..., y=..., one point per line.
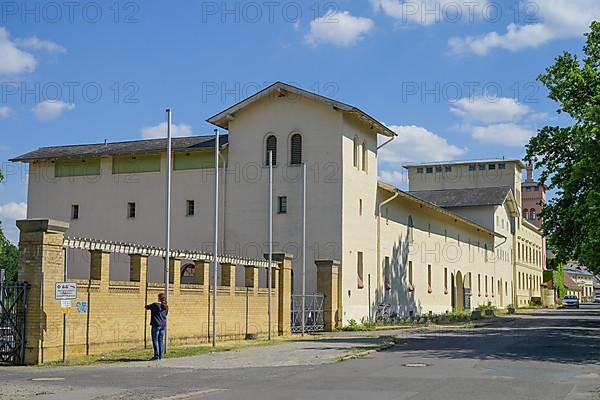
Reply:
x=47, y=379
x=189, y=395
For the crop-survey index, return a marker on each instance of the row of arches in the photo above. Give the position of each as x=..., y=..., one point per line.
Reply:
x=295, y=148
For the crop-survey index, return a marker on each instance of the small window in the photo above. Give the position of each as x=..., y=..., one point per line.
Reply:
x=411, y=228
x=359, y=270
x=360, y=207
x=131, y=210
x=479, y=284
x=472, y=167
x=526, y=214
x=537, y=188
x=528, y=188
x=486, y=285
x=502, y=166
x=438, y=169
x=429, y=170
x=365, y=157
x=387, y=273
x=410, y=273
x=482, y=167
x=492, y=167
x=190, y=208
x=271, y=146
x=447, y=168
x=75, y=211
x=532, y=214
x=445, y=280
x=296, y=149
x=282, y=204
x=429, y=290
x=419, y=170
x=355, y=159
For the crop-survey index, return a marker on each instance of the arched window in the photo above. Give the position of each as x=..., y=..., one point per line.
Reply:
x=532, y=214
x=365, y=156
x=526, y=214
x=271, y=145
x=355, y=159
x=296, y=149
x=411, y=228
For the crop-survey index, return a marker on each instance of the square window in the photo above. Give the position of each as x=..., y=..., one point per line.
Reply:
x=528, y=189
x=190, y=208
x=482, y=167
x=472, y=167
x=438, y=169
x=429, y=170
x=502, y=166
x=282, y=205
x=75, y=211
x=419, y=170
x=448, y=168
x=537, y=189
x=492, y=167
x=131, y=210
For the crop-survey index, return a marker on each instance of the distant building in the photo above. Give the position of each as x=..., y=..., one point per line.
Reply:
x=583, y=278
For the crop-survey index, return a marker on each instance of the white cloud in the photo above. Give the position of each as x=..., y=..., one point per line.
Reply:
x=160, y=131
x=48, y=110
x=509, y=134
x=5, y=111
x=395, y=177
x=338, y=28
x=13, y=210
x=490, y=109
x=415, y=143
x=557, y=19
x=35, y=43
x=14, y=60
x=427, y=12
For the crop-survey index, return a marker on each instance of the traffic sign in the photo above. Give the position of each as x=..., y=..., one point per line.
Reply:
x=65, y=291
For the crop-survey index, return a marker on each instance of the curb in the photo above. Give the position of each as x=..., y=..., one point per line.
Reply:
x=387, y=344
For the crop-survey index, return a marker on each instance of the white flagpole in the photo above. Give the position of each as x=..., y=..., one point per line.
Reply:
x=168, y=222
x=303, y=243
x=270, y=280
x=216, y=261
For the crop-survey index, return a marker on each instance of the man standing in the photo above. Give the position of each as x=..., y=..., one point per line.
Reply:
x=158, y=322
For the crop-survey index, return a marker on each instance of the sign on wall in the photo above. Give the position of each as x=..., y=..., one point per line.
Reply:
x=65, y=291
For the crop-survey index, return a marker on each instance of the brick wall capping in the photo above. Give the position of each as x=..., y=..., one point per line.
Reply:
x=42, y=225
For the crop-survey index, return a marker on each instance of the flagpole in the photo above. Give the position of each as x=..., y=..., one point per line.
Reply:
x=216, y=262
x=303, y=243
x=168, y=222
x=270, y=280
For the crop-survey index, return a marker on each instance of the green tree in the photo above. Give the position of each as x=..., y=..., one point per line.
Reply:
x=9, y=253
x=570, y=156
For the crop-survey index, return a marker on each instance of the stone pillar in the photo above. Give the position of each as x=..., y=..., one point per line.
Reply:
x=252, y=277
x=228, y=276
x=41, y=264
x=100, y=268
x=201, y=272
x=284, y=292
x=138, y=268
x=328, y=283
x=175, y=274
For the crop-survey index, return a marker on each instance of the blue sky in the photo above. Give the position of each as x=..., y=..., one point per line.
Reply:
x=455, y=79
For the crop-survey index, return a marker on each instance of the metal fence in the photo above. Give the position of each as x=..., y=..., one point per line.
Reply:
x=13, y=311
x=313, y=313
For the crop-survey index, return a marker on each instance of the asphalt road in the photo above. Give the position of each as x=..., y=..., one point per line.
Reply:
x=541, y=355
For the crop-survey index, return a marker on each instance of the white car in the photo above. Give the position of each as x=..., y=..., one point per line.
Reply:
x=597, y=298
x=571, y=301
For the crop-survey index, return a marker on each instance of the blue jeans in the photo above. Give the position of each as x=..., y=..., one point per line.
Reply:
x=158, y=340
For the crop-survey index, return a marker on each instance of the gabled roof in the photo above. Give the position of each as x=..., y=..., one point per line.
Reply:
x=409, y=196
x=192, y=143
x=282, y=89
x=449, y=198
x=570, y=283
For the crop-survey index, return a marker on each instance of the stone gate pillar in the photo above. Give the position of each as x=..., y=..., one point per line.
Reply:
x=41, y=264
x=328, y=283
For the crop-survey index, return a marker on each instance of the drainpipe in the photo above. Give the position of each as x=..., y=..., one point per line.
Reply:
x=379, y=291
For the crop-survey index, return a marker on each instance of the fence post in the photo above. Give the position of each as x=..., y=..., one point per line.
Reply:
x=284, y=293
x=328, y=283
x=41, y=261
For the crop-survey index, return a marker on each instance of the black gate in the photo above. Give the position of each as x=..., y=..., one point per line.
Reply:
x=313, y=313
x=13, y=310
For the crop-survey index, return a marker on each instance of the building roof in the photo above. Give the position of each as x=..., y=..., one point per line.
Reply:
x=409, y=196
x=570, y=282
x=191, y=143
x=464, y=162
x=446, y=198
x=222, y=119
x=577, y=269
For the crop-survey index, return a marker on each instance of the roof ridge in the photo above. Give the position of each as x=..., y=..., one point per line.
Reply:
x=125, y=141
